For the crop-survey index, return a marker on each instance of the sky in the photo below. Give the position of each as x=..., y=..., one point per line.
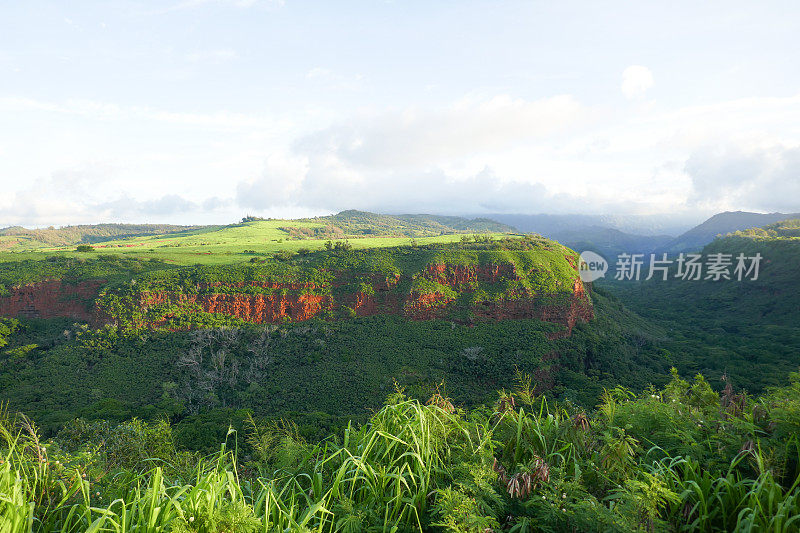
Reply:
x=203, y=111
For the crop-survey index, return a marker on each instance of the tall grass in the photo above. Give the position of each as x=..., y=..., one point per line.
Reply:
x=526, y=465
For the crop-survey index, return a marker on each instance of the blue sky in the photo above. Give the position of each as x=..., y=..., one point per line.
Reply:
x=195, y=111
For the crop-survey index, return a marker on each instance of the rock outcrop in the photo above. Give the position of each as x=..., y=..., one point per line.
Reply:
x=272, y=302
x=51, y=299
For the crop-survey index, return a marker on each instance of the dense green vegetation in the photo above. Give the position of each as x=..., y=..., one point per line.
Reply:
x=541, y=267
x=110, y=268
x=318, y=373
x=680, y=458
x=126, y=421
x=784, y=229
x=748, y=328
x=23, y=238
x=7, y=327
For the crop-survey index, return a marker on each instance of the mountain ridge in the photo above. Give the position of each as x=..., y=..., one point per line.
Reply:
x=722, y=224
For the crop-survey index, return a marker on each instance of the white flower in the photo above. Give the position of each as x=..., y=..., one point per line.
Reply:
x=191, y=519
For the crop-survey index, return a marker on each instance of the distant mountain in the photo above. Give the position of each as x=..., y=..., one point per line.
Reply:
x=354, y=222
x=552, y=226
x=722, y=224
x=610, y=242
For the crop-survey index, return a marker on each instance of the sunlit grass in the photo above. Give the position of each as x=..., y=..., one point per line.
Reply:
x=229, y=244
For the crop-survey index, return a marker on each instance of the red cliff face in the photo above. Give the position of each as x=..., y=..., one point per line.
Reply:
x=255, y=308
x=577, y=308
x=426, y=306
x=567, y=314
x=458, y=275
x=51, y=299
x=296, y=301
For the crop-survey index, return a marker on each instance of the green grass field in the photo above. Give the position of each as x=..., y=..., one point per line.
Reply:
x=229, y=244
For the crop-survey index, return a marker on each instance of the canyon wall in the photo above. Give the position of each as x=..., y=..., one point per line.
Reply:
x=52, y=299
x=271, y=302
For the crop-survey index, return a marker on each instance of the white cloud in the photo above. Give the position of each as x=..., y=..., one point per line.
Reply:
x=497, y=153
x=318, y=72
x=44, y=205
x=504, y=154
x=412, y=137
x=763, y=178
x=418, y=159
x=636, y=80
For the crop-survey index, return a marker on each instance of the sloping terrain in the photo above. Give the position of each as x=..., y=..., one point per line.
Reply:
x=515, y=278
x=17, y=237
x=747, y=328
x=721, y=224
x=552, y=226
x=610, y=242
x=363, y=223
x=317, y=336
x=257, y=238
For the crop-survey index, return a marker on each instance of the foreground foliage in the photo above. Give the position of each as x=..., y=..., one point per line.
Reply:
x=682, y=458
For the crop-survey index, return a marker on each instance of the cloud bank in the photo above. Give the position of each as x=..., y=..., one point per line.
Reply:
x=636, y=80
x=476, y=155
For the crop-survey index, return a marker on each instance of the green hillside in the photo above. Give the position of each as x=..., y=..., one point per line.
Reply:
x=259, y=238
x=748, y=329
x=721, y=224
x=346, y=423
x=307, y=368
x=19, y=238
x=784, y=229
x=363, y=223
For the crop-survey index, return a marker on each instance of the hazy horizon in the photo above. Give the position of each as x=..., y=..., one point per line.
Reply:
x=201, y=111
x=659, y=224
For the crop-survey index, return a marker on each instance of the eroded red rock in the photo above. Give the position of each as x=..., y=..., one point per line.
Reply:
x=52, y=299
x=301, y=301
